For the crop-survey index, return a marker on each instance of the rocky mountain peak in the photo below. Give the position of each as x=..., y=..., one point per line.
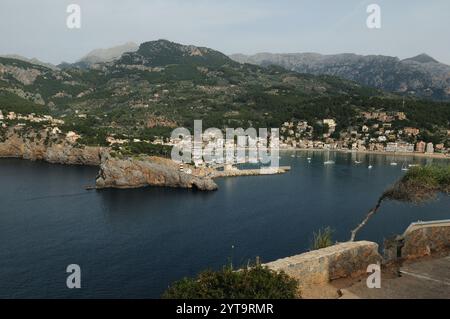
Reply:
x=163, y=52
x=422, y=58
x=109, y=54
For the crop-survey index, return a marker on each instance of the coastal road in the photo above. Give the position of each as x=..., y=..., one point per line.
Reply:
x=425, y=279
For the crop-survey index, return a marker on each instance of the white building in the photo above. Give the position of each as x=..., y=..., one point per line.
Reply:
x=72, y=137
x=400, y=147
x=391, y=147
x=405, y=148
x=56, y=131
x=331, y=125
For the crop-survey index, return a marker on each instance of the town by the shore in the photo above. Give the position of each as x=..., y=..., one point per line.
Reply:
x=409, y=154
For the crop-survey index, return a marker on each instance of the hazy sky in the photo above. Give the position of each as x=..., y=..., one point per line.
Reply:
x=409, y=27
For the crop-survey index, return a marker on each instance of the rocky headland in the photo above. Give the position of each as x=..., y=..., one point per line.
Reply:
x=149, y=171
x=115, y=172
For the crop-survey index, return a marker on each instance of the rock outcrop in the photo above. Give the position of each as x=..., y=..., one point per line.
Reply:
x=133, y=172
x=148, y=171
x=36, y=146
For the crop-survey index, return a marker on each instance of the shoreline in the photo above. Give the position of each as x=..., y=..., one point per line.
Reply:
x=422, y=155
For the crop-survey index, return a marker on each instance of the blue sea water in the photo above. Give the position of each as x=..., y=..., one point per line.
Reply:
x=134, y=243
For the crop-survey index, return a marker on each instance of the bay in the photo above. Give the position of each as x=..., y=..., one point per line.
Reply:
x=134, y=243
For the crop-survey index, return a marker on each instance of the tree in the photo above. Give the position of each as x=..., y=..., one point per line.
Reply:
x=419, y=185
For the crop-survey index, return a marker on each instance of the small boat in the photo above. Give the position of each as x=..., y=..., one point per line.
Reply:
x=328, y=161
x=370, y=167
x=309, y=158
x=413, y=165
x=394, y=162
x=405, y=167
x=293, y=156
x=357, y=159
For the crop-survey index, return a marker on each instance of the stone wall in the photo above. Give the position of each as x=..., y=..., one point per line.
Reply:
x=349, y=259
x=422, y=239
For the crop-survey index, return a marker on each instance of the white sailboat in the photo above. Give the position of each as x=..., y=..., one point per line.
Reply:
x=394, y=163
x=328, y=161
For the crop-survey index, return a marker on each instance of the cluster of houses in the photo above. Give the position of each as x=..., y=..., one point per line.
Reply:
x=385, y=117
x=29, y=118
x=49, y=122
x=379, y=136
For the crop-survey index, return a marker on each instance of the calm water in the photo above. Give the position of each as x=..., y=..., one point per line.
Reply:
x=133, y=243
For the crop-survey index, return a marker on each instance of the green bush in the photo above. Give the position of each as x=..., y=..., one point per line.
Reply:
x=251, y=283
x=421, y=184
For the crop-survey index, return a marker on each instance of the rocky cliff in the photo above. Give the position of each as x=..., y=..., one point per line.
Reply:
x=148, y=171
x=43, y=146
x=114, y=172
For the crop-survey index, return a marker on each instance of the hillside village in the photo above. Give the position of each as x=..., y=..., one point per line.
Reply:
x=378, y=133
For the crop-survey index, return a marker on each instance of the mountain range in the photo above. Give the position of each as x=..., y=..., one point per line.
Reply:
x=420, y=76
x=162, y=85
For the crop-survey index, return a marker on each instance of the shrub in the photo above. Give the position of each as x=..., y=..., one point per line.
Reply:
x=251, y=283
x=322, y=239
x=421, y=184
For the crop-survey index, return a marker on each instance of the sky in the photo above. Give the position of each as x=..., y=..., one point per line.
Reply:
x=408, y=27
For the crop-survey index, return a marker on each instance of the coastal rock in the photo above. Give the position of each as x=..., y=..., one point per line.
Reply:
x=148, y=171
x=36, y=146
x=114, y=173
